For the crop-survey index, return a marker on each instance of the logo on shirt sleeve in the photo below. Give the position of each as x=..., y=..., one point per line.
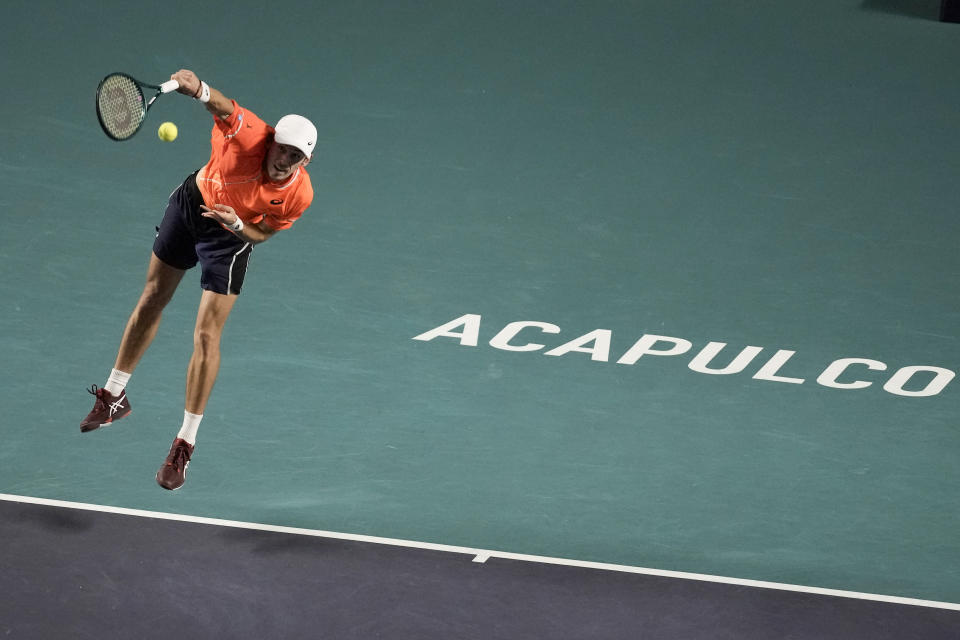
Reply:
x=277, y=201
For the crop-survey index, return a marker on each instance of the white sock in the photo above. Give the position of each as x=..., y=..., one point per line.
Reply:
x=117, y=382
x=191, y=422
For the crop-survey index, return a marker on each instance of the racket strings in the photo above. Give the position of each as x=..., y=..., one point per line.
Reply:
x=121, y=108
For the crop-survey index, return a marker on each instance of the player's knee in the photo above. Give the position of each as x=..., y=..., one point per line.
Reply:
x=149, y=307
x=154, y=298
x=206, y=340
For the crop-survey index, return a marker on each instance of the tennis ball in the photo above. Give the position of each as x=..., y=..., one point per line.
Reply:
x=167, y=132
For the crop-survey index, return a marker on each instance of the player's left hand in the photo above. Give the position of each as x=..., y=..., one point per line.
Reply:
x=222, y=213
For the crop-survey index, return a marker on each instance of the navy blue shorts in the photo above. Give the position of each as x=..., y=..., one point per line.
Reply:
x=185, y=237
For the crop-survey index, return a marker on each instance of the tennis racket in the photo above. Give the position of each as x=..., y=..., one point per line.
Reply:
x=121, y=107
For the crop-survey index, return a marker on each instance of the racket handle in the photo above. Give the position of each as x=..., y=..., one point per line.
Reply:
x=169, y=85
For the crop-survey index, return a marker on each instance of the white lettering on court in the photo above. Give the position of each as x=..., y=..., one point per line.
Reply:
x=468, y=337
x=509, y=332
x=900, y=378
x=829, y=376
x=709, y=352
x=769, y=371
x=644, y=346
x=599, y=351
x=843, y=373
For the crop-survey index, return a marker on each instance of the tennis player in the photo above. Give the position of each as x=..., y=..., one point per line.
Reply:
x=254, y=185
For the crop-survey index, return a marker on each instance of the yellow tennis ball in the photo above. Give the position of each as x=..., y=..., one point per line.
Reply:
x=167, y=132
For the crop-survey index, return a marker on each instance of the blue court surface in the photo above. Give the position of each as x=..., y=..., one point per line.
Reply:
x=609, y=320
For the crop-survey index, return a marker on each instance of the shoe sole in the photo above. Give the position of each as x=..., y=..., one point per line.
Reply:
x=87, y=428
x=162, y=486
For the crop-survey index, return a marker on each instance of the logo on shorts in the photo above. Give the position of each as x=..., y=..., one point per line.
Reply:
x=276, y=202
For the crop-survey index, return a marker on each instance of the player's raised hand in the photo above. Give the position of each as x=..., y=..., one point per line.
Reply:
x=189, y=82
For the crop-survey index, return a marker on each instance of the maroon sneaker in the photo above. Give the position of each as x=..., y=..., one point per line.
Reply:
x=173, y=473
x=106, y=409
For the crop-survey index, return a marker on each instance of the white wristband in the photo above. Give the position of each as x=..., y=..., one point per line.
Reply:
x=236, y=226
x=204, y=94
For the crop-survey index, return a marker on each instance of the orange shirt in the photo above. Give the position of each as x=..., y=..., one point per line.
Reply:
x=234, y=174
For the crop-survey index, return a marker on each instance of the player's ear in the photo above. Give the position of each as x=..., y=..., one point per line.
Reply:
x=306, y=161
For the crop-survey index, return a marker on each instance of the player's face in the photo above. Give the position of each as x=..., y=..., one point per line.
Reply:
x=282, y=160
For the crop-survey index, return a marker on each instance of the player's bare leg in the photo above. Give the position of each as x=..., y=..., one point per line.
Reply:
x=111, y=401
x=162, y=281
x=201, y=374
x=205, y=362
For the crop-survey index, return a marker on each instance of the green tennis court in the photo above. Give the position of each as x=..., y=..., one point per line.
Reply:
x=658, y=284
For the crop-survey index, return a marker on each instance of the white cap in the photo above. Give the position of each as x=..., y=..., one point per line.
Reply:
x=298, y=132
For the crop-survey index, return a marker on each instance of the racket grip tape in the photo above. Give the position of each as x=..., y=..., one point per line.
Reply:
x=169, y=85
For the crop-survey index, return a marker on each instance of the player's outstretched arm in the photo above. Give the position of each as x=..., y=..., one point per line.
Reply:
x=219, y=105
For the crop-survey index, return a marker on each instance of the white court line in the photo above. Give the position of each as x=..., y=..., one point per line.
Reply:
x=482, y=555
